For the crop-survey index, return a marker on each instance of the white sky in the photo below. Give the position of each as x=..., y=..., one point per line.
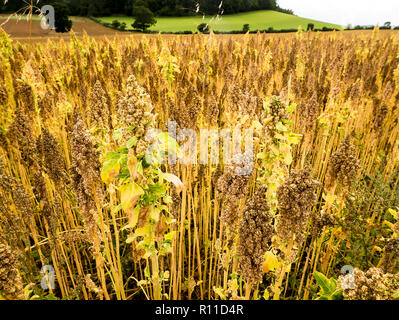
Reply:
x=344, y=12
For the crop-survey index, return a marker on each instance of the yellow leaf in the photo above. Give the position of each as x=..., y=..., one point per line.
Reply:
x=130, y=193
x=389, y=224
x=110, y=170
x=286, y=151
x=393, y=213
x=140, y=232
x=133, y=216
x=270, y=263
x=220, y=293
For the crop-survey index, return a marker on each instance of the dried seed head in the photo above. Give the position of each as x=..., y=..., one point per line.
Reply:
x=255, y=232
x=85, y=159
x=371, y=285
x=50, y=154
x=343, y=165
x=186, y=111
x=135, y=111
x=233, y=186
x=276, y=112
x=3, y=96
x=73, y=236
x=308, y=115
x=85, y=175
x=22, y=200
x=380, y=114
x=296, y=197
x=319, y=222
x=20, y=131
x=24, y=94
x=98, y=113
x=93, y=287
x=391, y=253
x=211, y=111
x=11, y=285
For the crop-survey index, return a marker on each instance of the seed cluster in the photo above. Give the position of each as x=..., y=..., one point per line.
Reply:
x=296, y=197
x=85, y=174
x=371, y=285
x=255, y=232
x=186, y=109
x=320, y=221
x=20, y=132
x=98, y=113
x=343, y=165
x=10, y=281
x=233, y=186
x=277, y=112
x=50, y=154
x=3, y=95
x=391, y=253
x=135, y=112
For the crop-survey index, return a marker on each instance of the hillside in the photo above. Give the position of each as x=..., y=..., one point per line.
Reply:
x=258, y=20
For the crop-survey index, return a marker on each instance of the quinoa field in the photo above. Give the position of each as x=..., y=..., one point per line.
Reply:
x=200, y=167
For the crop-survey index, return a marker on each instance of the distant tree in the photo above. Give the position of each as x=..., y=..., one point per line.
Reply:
x=310, y=26
x=245, y=28
x=144, y=18
x=122, y=26
x=202, y=27
x=62, y=22
x=116, y=24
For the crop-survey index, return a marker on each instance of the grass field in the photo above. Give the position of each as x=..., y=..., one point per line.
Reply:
x=258, y=20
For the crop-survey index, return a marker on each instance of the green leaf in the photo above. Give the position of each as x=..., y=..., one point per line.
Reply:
x=123, y=150
x=132, y=142
x=112, y=156
x=291, y=108
x=324, y=283
x=338, y=295
x=294, y=138
x=281, y=127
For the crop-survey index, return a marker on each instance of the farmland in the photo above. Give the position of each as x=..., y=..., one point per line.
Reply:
x=101, y=186
x=258, y=20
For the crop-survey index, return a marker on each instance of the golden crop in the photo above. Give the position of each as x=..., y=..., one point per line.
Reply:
x=77, y=194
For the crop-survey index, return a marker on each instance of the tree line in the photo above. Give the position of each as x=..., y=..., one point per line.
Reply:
x=100, y=8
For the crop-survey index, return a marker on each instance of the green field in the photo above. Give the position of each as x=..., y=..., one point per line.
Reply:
x=257, y=20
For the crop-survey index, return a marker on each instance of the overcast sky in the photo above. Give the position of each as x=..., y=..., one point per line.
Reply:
x=344, y=12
